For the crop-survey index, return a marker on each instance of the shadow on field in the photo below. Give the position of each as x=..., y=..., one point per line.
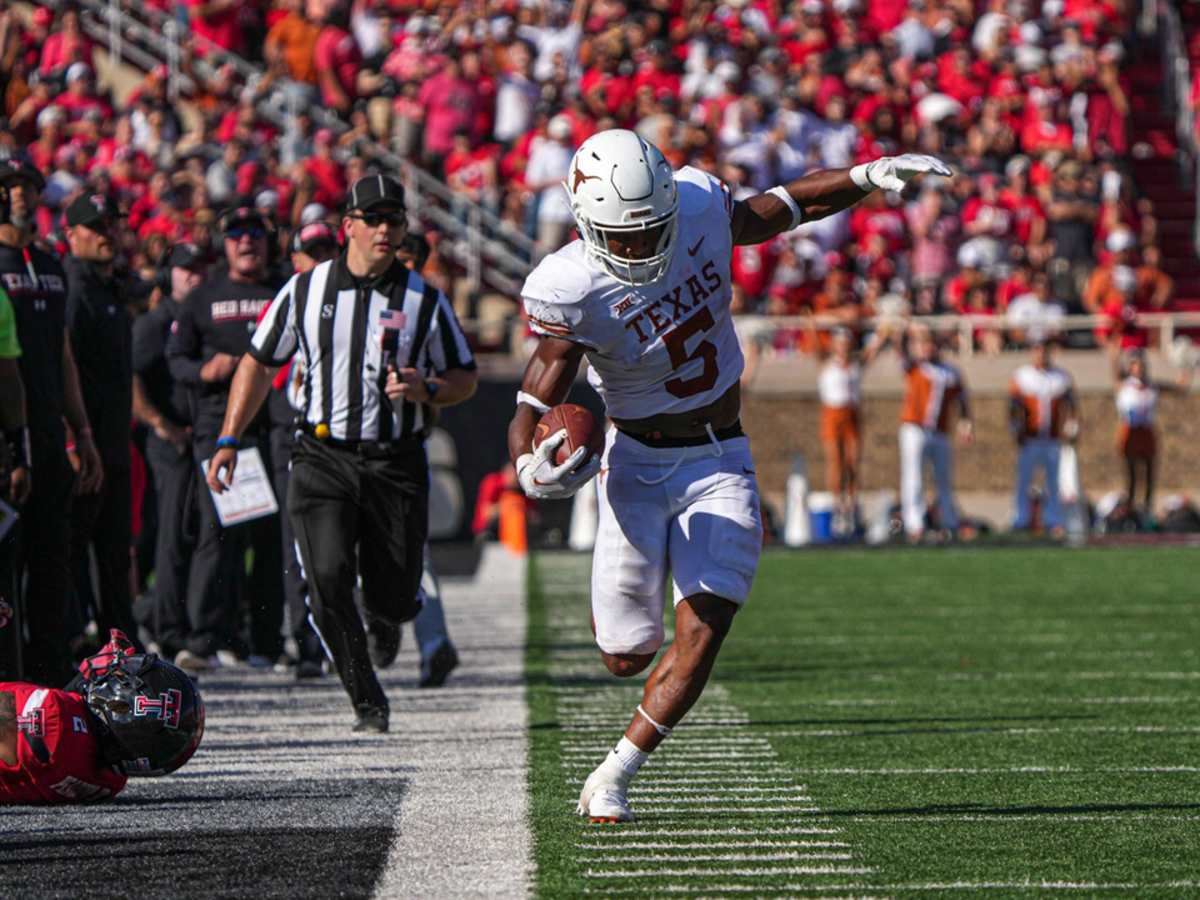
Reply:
x=269, y=862
x=980, y=809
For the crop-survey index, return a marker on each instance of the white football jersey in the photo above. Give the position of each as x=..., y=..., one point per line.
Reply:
x=668, y=346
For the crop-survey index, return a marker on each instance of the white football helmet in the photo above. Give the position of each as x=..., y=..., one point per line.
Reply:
x=621, y=186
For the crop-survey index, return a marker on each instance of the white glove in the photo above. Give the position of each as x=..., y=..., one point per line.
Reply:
x=541, y=479
x=892, y=173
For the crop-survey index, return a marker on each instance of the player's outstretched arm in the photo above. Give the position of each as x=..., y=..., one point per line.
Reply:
x=820, y=194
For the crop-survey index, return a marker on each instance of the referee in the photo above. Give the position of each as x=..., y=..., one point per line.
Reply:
x=379, y=347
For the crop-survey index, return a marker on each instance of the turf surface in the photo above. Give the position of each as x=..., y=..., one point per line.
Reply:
x=1002, y=721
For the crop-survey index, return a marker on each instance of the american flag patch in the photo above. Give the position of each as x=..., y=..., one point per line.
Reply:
x=392, y=319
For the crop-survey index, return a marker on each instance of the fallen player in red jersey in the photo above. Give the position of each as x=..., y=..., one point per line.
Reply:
x=124, y=715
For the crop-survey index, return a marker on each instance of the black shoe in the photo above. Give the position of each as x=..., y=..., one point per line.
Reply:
x=441, y=664
x=371, y=720
x=309, y=668
x=383, y=642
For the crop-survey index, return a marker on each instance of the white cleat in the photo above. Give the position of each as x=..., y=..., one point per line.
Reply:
x=603, y=800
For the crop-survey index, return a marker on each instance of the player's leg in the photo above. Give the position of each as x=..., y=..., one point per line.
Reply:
x=912, y=493
x=715, y=541
x=1131, y=480
x=438, y=656
x=1149, y=464
x=943, y=474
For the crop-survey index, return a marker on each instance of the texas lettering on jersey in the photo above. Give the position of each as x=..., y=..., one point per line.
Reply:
x=668, y=346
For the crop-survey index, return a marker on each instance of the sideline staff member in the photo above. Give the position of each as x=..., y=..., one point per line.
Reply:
x=379, y=346
x=37, y=286
x=210, y=335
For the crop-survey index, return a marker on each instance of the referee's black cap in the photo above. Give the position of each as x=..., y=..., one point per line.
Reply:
x=376, y=192
x=16, y=169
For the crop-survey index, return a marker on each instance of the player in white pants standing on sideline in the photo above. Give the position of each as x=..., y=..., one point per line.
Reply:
x=645, y=295
x=1042, y=413
x=933, y=391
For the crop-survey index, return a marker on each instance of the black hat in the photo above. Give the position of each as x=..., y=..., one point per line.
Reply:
x=376, y=192
x=186, y=256
x=311, y=236
x=13, y=169
x=243, y=215
x=92, y=209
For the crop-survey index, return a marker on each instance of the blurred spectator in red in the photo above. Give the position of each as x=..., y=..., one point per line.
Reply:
x=1019, y=281
x=1119, y=305
x=987, y=337
x=80, y=96
x=66, y=45
x=329, y=182
x=1028, y=217
x=970, y=276
x=337, y=56
x=216, y=22
x=450, y=103
x=485, y=524
x=987, y=224
x=471, y=173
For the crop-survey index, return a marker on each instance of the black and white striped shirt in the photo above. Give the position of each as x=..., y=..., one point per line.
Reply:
x=347, y=331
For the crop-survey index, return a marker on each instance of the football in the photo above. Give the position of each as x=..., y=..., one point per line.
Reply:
x=581, y=427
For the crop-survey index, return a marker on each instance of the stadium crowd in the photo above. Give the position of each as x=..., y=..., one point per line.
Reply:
x=1027, y=99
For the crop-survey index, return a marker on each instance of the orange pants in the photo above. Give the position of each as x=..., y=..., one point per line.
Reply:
x=839, y=434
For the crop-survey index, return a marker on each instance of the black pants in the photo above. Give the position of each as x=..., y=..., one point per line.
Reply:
x=176, y=482
x=44, y=561
x=104, y=521
x=220, y=585
x=340, y=500
x=294, y=589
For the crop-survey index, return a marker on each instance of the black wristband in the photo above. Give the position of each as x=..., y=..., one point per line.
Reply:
x=18, y=447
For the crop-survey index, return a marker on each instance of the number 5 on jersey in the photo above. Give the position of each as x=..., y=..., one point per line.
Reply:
x=675, y=341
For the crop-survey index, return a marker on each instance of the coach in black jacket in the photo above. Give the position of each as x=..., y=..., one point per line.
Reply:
x=379, y=347
x=101, y=339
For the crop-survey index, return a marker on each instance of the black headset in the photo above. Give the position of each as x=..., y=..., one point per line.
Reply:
x=162, y=272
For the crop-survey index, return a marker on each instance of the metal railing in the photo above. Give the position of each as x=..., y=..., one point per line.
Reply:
x=1167, y=325
x=1176, y=89
x=490, y=251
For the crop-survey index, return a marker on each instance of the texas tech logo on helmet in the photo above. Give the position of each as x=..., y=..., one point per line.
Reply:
x=167, y=707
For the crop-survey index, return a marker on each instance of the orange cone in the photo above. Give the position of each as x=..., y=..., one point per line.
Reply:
x=513, y=534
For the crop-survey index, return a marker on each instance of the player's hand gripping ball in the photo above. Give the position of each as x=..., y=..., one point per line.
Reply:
x=567, y=446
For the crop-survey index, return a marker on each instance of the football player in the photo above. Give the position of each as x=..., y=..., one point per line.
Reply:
x=124, y=715
x=645, y=295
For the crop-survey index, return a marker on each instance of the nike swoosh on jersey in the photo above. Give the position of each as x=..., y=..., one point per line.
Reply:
x=693, y=250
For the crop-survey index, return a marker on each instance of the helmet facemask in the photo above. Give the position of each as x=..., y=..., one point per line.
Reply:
x=626, y=269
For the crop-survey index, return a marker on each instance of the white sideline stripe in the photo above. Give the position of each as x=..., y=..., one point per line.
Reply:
x=677, y=741
x=1021, y=817
x=462, y=825
x=639, y=790
x=726, y=810
x=635, y=832
x=733, y=802
x=726, y=873
x=767, y=856
x=693, y=757
x=805, y=888
x=997, y=732
x=1149, y=699
x=706, y=845
x=734, y=767
x=1013, y=770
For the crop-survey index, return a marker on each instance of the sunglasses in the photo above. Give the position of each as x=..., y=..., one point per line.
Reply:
x=374, y=220
x=240, y=231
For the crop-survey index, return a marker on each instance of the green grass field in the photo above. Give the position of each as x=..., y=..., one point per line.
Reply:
x=894, y=723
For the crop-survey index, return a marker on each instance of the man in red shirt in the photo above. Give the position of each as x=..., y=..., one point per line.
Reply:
x=217, y=22
x=338, y=61
x=326, y=172
x=125, y=715
x=449, y=103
